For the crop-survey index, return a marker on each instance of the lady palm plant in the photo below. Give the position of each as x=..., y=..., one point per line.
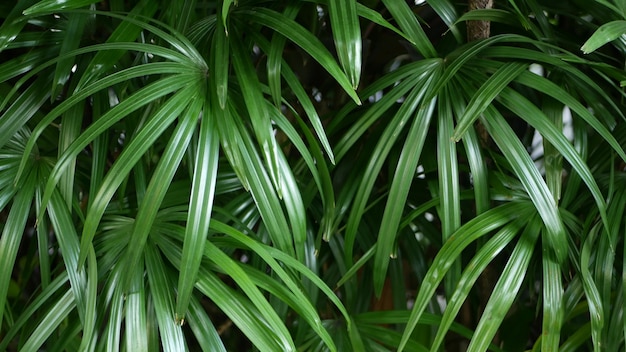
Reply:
x=311, y=175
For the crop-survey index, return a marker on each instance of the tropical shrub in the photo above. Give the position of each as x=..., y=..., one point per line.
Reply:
x=312, y=175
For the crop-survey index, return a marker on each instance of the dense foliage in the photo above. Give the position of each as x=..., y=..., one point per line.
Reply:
x=312, y=175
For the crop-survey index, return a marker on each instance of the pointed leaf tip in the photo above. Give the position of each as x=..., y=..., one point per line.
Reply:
x=606, y=33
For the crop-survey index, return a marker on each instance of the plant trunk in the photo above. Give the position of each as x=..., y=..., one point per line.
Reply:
x=478, y=29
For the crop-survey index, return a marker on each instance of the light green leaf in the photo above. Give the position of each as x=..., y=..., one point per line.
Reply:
x=606, y=33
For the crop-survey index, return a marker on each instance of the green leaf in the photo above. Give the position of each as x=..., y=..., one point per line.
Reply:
x=537, y=119
x=506, y=290
x=67, y=238
x=172, y=338
x=243, y=314
x=203, y=329
x=114, y=324
x=606, y=33
x=225, y=11
x=126, y=31
x=486, y=94
x=447, y=256
x=164, y=172
x=553, y=309
x=136, y=323
x=304, y=39
x=409, y=76
x=447, y=12
x=402, y=180
x=553, y=90
x=91, y=293
x=13, y=23
x=14, y=228
x=448, y=175
x=257, y=110
x=76, y=25
x=219, y=62
x=130, y=155
x=594, y=300
x=279, y=331
x=470, y=275
x=346, y=30
x=491, y=15
x=379, y=156
x=50, y=6
x=39, y=303
x=137, y=100
x=200, y=211
x=269, y=254
x=22, y=110
x=264, y=194
x=407, y=21
x=57, y=314
x=376, y=17
x=275, y=56
x=528, y=174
